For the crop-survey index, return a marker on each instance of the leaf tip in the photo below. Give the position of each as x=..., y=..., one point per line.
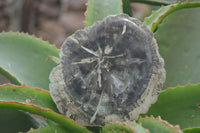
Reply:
x=198, y=106
x=41, y=38
x=85, y=13
x=24, y=85
x=161, y=121
x=168, y=88
x=52, y=44
x=178, y=85
x=48, y=58
x=153, y=24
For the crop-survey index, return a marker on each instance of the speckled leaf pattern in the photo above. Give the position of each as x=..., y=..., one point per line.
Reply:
x=99, y=9
x=23, y=56
x=179, y=105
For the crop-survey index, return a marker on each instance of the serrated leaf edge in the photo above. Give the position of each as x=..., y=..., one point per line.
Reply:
x=167, y=10
x=176, y=127
x=47, y=113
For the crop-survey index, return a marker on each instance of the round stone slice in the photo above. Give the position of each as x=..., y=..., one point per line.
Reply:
x=110, y=71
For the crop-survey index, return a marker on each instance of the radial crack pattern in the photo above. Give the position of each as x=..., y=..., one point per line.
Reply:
x=110, y=71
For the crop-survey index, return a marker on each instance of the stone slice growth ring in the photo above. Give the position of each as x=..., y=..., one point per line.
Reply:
x=110, y=71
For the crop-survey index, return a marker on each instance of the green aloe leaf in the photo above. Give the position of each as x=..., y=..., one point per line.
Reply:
x=192, y=130
x=161, y=2
x=127, y=7
x=178, y=40
x=36, y=101
x=14, y=121
x=63, y=121
x=125, y=127
x=157, y=125
x=23, y=56
x=50, y=129
x=155, y=2
x=27, y=95
x=12, y=79
x=94, y=129
x=157, y=17
x=99, y=9
x=179, y=106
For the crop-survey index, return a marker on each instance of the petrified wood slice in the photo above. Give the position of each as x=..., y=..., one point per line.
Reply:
x=110, y=71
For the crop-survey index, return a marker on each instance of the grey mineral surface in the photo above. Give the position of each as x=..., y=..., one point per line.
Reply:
x=110, y=71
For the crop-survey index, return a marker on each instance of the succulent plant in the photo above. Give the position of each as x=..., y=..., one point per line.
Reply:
x=108, y=73
x=146, y=125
